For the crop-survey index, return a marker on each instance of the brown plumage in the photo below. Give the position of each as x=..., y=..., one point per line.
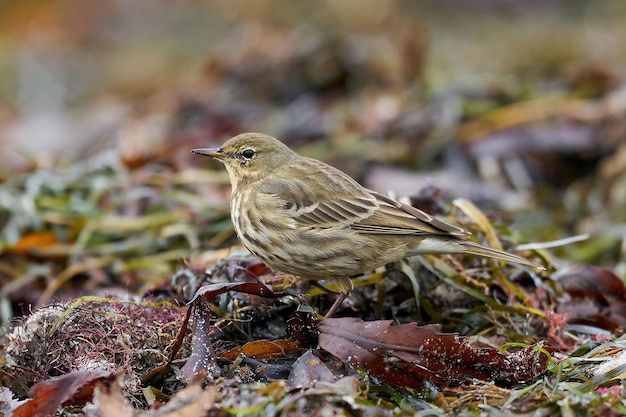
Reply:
x=304, y=217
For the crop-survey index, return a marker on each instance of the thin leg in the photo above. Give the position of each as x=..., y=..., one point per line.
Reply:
x=345, y=286
x=335, y=305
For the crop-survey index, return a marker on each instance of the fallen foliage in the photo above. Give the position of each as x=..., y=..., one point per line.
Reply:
x=411, y=356
x=73, y=389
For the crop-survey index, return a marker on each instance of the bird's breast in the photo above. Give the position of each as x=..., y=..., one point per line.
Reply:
x=269, y=230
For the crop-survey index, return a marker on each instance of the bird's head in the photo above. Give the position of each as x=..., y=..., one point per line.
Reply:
x=250, y=156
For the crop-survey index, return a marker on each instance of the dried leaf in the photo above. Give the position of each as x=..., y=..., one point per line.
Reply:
x=209, y=292
x=191, y=401
x=474, y=213
x=304, y=328
x=202, y=359
x=111, y=402
x=408, y=355
x=71, y=389
x=307, y=370
x=263, y=349
x=595, y=296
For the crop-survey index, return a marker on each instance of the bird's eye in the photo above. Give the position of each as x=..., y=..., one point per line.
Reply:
x=248, y=153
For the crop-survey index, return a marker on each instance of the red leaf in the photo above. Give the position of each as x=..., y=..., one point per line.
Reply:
x=209, y=292
x=407, y=355
x=71, y=389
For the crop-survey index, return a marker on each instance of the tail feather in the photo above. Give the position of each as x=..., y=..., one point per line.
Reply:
x=476, y=249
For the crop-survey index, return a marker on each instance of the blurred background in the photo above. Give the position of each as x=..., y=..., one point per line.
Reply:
x=517, y=105
x=79, y=77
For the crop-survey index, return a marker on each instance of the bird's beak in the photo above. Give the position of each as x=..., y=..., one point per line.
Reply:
x=212, y=152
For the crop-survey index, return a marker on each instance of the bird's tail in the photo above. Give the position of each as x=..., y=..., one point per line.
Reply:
x=476, y=249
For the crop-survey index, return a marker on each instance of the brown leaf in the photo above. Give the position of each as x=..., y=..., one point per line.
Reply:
x=590, y=281
x=263, y=349
x=303, y=327
x=595, y=297
x=407, y=355
x=71, y=389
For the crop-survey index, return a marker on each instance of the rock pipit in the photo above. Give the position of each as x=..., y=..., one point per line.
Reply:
x=307, y=218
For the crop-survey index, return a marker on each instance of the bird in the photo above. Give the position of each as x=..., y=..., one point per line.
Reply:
x=304, y=217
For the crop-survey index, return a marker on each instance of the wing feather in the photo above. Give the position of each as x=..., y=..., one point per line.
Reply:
x=395, y=218
x=336, y=200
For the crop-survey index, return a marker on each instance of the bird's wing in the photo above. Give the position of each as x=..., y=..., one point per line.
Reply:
x=395, y=218
x=320, y=205
x=333, y=199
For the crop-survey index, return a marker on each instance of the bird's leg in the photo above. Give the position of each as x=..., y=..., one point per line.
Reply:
x=335, y=305
x=345, y=286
